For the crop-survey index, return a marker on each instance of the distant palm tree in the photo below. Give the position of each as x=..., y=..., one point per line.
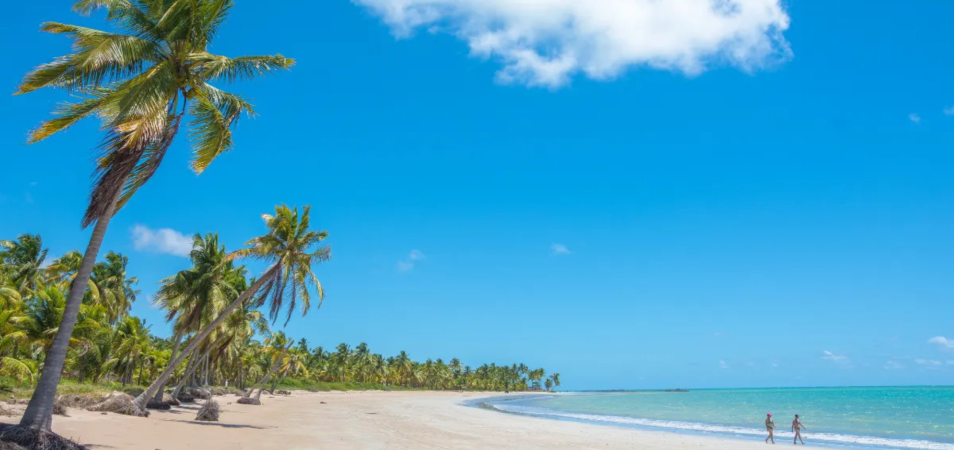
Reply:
x=142, y=84
x=22, y=260
x=292, y=247
x=114, y=290
x=133, y=344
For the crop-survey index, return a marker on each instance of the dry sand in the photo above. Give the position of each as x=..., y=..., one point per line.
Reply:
x=363, y=421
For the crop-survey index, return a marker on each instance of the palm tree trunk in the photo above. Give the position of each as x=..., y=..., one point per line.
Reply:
x=194, y=365
x=175, y=350
x=278, y=380
x=39, y=412
x=201, y=335
x=193, y=360
x=268, y=375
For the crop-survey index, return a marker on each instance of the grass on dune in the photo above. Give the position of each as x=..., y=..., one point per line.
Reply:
x=10, y=387
x=293, y=384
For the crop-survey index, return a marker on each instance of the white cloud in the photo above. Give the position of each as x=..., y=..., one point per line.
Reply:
x=833, y=357
x=929, y=362
x=407, y=265
x=163, y=240
x=547, y=42
x=893, y=365
x=942, y=342
x=914, y=117
x=559, y=249
x=949, y=111
x=723, y=364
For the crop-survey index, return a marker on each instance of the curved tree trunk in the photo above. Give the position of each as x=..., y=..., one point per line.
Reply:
x=39, y=413
x=200, y=336
x=193, y=360
x=278, y=380
x=191, y=369
x=175, y=351
x=275, y=366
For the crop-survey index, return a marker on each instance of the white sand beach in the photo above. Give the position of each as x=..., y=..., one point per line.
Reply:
x=363, y=421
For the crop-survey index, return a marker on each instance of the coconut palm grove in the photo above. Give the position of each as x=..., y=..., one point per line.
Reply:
x=65, y=325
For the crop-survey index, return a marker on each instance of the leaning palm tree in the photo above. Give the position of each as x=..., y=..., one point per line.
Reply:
x=142, y=82
x=194, y=296
x=292, y=247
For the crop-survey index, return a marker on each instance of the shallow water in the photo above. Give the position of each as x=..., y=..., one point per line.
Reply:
x=893, y=417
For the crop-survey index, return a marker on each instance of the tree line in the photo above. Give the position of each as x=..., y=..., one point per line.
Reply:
x=109, y=344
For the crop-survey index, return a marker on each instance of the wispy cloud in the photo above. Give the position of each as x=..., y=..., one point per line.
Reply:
x=914, y=117
x=407, y=265
x=933, y=363
x=949, y=111
x=723, y=364
x=829, y=356
x=559, y=249
x=942, y=342
x=547, y=42
x=893, y=365
x=163, y=240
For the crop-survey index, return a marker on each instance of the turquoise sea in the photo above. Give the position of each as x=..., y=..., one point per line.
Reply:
x=884, y=417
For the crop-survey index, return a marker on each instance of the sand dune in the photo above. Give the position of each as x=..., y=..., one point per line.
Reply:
x=363, y=421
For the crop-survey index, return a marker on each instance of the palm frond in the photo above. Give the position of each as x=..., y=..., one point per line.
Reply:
x=214, y=112
x=68, y=114
x=212, y=14
x=217, y=67
x=126, y=13
x=100, y=58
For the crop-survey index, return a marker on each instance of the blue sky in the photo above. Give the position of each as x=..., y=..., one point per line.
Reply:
x=767, y=210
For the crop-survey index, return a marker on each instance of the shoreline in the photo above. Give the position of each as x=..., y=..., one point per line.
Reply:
x=411, y=420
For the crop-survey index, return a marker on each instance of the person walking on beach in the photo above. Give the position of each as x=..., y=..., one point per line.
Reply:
x=770, y=426
x=797, y=427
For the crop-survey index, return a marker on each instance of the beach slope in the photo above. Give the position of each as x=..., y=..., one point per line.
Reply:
x=363, y=421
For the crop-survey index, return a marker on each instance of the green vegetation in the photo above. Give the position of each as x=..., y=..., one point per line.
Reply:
x=65, y=325
x=112, y=350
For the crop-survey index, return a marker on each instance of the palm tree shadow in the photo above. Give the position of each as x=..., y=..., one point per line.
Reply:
x=223, y=425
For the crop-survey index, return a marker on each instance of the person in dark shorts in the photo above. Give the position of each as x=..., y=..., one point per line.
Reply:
x=797, y=427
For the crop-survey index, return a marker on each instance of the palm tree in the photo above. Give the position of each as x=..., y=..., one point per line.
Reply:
x=141, y=84
x=133, y=345
x=22, y=260
x=556, y=379
x=113, y=289
x=278, y=346
x=292, y=248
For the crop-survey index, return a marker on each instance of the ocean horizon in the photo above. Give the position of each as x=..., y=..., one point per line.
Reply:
x=894, y=417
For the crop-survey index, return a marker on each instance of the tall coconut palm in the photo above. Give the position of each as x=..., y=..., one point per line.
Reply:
x=292, y=248
x=142, y=82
